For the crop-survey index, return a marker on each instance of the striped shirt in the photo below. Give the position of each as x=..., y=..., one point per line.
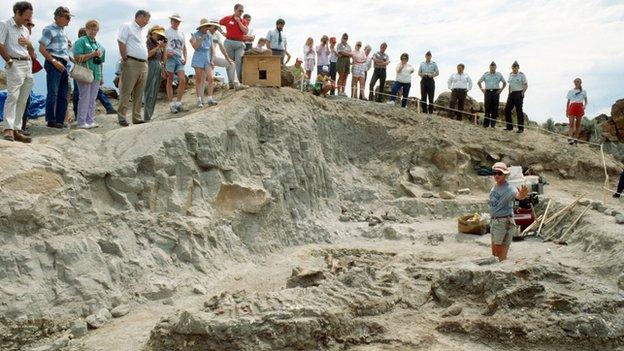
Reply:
x=55, y=40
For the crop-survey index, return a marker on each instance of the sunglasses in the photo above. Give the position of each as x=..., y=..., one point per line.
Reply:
x=499, y=173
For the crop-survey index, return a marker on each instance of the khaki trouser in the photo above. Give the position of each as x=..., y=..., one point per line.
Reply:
x=19, y=82
x=133, y=78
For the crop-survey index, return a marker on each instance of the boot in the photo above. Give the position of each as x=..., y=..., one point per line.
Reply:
x=8, y=135
x=21, y=137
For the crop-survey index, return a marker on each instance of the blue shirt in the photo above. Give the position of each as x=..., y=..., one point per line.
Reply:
x=430, y=68
x=502, y=199
x=492, y=80
x=55, y=40
x=273, y=36
x=206, y=45
x=517, y=81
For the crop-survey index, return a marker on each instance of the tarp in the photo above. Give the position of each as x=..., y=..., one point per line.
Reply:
x=35, y=109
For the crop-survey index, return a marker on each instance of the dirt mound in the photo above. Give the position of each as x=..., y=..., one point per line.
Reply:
x=147, y=213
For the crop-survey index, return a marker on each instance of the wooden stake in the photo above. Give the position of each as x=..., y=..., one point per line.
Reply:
x=539, y=230
x=575, y=221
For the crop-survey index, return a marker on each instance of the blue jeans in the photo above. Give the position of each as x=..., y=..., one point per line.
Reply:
x=395, y=89
x=101, y=97
x=56, y=100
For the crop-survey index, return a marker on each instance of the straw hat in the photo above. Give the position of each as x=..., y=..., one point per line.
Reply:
x=501, y=167
x=160, y=31
x=204, y=22
x=176, y=16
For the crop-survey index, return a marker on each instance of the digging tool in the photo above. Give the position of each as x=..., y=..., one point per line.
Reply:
x=539, y=230
x=575, y=221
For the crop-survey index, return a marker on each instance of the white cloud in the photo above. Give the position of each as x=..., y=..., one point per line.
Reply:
x=554, y=41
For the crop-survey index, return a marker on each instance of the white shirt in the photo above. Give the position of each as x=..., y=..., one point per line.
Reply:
x=175, y=41
x=250, y=32
x=308, y=53
x=132, y=35
x=217, y=38
x=459, y=81
x=322, y=54
x=405, y=75
x=575, y=95
x=9, y=35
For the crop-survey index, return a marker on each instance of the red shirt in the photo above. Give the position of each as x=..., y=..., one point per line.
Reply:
x=232, y=28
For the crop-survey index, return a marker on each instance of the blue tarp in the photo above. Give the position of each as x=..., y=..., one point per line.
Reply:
x=35, y=109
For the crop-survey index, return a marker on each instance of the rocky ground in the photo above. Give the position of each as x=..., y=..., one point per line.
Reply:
x=281, y=221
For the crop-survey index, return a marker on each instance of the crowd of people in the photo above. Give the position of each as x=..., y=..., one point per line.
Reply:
x=149, y=55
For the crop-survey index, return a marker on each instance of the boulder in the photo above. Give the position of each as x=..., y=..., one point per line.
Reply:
x=419, y=175
x=234, y=197
x=97, y=320
x=305, y=279
x=409, y=188
x=619, y=219
x=288, y=78
x=445, y=195
x=613, y=128
x=79, y=328
x=470, y=105
x=120, y=311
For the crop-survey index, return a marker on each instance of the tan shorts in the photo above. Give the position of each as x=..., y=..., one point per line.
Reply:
x=502, y=230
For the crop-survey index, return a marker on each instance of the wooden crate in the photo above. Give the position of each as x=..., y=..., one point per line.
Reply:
x=262, y=70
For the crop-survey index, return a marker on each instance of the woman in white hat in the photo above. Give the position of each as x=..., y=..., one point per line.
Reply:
x=203, y=61
x=502, y=197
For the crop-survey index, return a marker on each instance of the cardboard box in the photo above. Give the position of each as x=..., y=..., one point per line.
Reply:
x=262, y=70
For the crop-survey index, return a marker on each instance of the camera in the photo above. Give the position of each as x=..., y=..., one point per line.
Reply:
x=97, y=60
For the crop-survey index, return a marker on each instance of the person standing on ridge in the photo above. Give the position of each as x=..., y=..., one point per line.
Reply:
x=176, y=59
x=277, y=41
x=54, y=46
x=575, y=110
x=17, y=51
x=343, y=50
x=381, y=60
x=427, y=71
x=459, y=83
x=133, y=52
x=236, y=29
x=491, y=94
x=518, y=86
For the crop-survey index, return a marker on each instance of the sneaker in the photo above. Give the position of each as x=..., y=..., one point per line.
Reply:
x=123, y=123
x=173, y=108
x=616, y=196
x=83, y=126
x=240, y=86
x=92, y=125
x=179, y=108
x=213, y=102
x=200, y=104
x=390, y=102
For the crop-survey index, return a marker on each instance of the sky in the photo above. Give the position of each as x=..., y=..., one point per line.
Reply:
x=554, y=41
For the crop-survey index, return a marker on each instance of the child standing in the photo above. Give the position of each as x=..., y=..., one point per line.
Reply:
x=309, y=57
